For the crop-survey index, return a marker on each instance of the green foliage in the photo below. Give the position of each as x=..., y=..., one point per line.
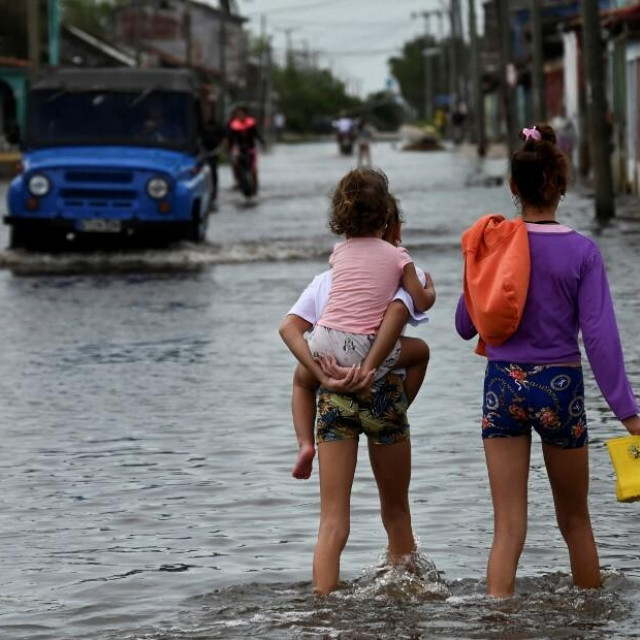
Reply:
x=92, y=16
x=383, y=111
x=409, y=69
x=310, y=97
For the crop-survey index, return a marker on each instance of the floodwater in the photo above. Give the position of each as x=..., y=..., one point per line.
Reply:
x=146, y=444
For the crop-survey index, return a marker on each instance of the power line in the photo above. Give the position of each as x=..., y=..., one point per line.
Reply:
x=297, y=7
x=316, y=4
x=351, y=52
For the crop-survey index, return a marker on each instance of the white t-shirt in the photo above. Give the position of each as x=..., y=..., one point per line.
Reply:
x=314, y=298
x=344, y=125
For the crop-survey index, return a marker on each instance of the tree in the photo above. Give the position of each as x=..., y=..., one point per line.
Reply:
x=310, y=98
x=384, y=111
x=409, y=70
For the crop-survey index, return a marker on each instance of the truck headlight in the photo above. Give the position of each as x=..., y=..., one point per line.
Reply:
x=39, y=186
x=157, y=188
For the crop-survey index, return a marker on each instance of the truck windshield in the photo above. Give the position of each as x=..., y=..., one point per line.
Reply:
x=149, y=118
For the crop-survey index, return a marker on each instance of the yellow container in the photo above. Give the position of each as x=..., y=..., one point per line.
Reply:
x=625, y=455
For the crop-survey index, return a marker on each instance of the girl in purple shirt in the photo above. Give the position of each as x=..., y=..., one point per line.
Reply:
x=535, y=378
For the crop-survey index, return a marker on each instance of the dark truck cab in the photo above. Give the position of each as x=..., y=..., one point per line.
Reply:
x=111, y=152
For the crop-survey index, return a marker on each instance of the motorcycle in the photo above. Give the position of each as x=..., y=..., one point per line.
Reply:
x=345, y=142
x=246, y=171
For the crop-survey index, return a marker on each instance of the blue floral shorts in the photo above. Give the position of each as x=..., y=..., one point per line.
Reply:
x=549, y=398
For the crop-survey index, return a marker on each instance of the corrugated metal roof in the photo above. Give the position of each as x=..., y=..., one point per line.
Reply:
x=106, y=48
x=127, y=80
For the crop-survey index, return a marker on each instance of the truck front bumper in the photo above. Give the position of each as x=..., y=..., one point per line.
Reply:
x=97, y=226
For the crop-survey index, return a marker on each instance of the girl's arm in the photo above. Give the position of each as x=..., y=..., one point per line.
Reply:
x=602, y=340
x=393, y=323
x=423, y=298
x=464, y=325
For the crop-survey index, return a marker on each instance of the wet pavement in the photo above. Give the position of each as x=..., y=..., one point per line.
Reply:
x=146, y=442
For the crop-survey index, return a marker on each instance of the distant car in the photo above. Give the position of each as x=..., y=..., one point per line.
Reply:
x=111, y=152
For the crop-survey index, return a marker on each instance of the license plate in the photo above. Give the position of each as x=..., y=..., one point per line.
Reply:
x=100, y=225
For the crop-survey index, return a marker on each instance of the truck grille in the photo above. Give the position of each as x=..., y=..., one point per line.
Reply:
x=104, y=177
x=98, y=198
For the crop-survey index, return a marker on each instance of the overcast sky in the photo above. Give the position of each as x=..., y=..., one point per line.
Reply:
x=355, y=38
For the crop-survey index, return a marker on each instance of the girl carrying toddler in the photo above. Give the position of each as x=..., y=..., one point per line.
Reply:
x=366, y=273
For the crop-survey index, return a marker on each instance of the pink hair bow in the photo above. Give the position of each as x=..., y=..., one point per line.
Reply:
x=532, y=133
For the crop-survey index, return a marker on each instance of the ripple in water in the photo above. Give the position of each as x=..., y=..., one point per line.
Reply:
x=188, y=257
x=388, y=602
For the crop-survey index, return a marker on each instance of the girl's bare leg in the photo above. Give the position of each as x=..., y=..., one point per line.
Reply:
x=414, y=357
x=392, y=469
x=568, y=472
x=508, y=466
x=303, y=408
x=337, y=467
x=415, y=353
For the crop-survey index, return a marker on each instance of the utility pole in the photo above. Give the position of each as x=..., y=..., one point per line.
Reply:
x=222, y=53
x=54, y=33
x=188, y=25
x=263, y=96
x=427, y=52
x=33, y=28
x=508, y=71
x=539, y=100
x=599, y=130
x=476, y=75
x=137, y=27
x=461, y=79
x=453, y=55
x=288, y=35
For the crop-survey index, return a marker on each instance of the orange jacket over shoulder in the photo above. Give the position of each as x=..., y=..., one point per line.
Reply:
x=497, y=268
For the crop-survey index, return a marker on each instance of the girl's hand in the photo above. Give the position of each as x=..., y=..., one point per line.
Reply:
x=344, y=379
x=331, y=367
x=632, y=425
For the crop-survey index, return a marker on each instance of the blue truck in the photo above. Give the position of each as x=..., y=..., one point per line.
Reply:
x=111, y=153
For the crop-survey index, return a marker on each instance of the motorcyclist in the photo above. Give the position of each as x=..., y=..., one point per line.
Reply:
x=345, y=132
x=242, y=135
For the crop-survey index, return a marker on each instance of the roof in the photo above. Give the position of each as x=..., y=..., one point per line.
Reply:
x=125, y=80
x=622, y=15
x=214, y=5
x=102, y=46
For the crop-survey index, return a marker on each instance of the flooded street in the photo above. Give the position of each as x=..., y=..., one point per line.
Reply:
x=146, y=442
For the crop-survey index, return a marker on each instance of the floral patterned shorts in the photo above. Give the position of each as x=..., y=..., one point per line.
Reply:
x=549, y=398
x=381, y=413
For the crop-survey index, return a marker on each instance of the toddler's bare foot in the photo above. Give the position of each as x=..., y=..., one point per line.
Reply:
x=304, y=463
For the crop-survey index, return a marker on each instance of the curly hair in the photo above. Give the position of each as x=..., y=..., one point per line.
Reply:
x=362, y=204
x=539, y=170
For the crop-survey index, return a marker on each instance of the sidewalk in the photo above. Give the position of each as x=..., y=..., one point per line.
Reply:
x=8, y=161
x=495, y=151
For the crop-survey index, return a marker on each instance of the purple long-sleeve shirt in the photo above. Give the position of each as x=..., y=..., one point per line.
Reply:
x=568, y=292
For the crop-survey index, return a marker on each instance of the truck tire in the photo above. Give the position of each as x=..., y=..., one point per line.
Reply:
x=247, y=182
x=17, y=238
x=197, y=228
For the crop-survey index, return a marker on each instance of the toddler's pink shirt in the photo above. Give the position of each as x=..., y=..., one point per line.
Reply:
x=366, y=273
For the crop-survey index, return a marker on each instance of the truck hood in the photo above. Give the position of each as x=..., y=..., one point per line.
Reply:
x=142, y=158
